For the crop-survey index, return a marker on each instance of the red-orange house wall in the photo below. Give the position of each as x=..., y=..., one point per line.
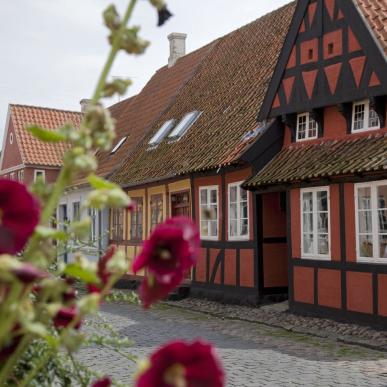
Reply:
x=323, y=283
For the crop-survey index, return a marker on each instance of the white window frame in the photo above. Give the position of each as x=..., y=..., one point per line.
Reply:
x=159, y=136
x=36, y=171
x=373, y=185
x=208, y=188
x=238, y=237
x=308, y=122
x=118, y=145
x=367, y=109
x=184, y=125
x=315, y=256
x=20, y=175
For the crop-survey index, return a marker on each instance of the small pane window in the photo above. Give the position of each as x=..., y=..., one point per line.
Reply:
x=117, y=232
x=363, y=117
x=315, y=223
x=76, y=211
x=156, y=205
x=238, y=213
x=208, y=212
x=136, y=219
x=371, y=225
x=39, y=174
x=306, y=127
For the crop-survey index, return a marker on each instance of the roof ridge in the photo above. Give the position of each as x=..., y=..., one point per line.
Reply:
x=44, y=107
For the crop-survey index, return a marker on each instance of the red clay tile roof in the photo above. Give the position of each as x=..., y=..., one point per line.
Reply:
x=375, y=13
x=135, y=115
x=228, y=89
x=324, y=159
x=32, y=150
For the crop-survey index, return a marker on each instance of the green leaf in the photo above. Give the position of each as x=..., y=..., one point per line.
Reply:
x=47, y=232
x=45, y=134
x=84, y=274
x=99, y=183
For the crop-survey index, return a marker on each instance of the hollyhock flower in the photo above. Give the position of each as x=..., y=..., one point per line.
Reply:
x=102, y=271
x=19, y=215
x=151, y=291
x=104, y=382
x=65, y=316
x=28, y=273
x=181, y=364
x=172, y=247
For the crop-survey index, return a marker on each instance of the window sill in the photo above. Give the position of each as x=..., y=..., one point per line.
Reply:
x=209, y=238
x=372, y=260
x=237, y=239
x=354, y=131
x=316, y=257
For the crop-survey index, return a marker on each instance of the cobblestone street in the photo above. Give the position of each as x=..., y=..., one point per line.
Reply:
x=252, y=354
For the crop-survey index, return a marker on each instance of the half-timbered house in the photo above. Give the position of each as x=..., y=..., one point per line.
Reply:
x=329, y=89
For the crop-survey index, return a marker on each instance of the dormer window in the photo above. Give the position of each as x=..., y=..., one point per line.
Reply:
x=306, y=127
x=182, y=127
x=363, y=117
x=161, y=133
x=117, y=146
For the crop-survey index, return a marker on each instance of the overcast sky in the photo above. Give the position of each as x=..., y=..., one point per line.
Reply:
x=53, y=50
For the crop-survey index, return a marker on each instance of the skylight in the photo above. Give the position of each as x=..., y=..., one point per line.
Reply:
x=185, y=123
x=119, y=143
x=161, y=133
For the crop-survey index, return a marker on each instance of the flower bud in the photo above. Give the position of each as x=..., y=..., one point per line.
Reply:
x=65, y=316
x=118, y=86
x=104, y=382
x=111, y=18
x=118, y=263
x=28, y=273
x=131, y=43
x=89, y=303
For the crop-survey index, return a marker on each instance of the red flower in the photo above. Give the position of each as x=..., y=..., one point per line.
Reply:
x=151, y=291
x=65, y=316
x=183, y=364
x=104, y=382
x=102, y=272
x=28, y=273
x=170, y=251
x=19, y=215
x=172, y=247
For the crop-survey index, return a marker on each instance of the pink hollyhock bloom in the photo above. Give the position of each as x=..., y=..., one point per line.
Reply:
x=172, y=247
x=182, y=364
x=28, y=273
x=102, y=271
x=104, y=382
x=19, y=215
x=65, y=316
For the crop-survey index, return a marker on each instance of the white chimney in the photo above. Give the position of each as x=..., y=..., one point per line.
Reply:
x=176, y=47
x=84, y=104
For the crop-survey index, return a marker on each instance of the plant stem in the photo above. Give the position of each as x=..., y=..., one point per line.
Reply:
x=65, y=175
x=35, y=370
x=113, y=52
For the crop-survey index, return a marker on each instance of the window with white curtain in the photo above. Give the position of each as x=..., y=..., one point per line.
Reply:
x=238, y=212
x=315, y=243
x=209, y=215
x=371, y=221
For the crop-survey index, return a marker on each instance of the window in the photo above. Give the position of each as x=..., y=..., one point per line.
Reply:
x=12, y=176
x=310, y=54
x=182, y=127
x=39, y=174
x=371, y=222
x=161, y=133
x=156, y=206
x=181, y=204
x=117, y=224
x=136, y=220
x=208, y=212
x=315, y=223
x=76, y=211
x=238, y=212
x=117, y=146
x=92, y=212
x=306, y=127
x=20, y=175
x=363, y=117
x=330, y=48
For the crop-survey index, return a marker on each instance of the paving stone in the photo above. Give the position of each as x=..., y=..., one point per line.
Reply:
x=252, y=354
